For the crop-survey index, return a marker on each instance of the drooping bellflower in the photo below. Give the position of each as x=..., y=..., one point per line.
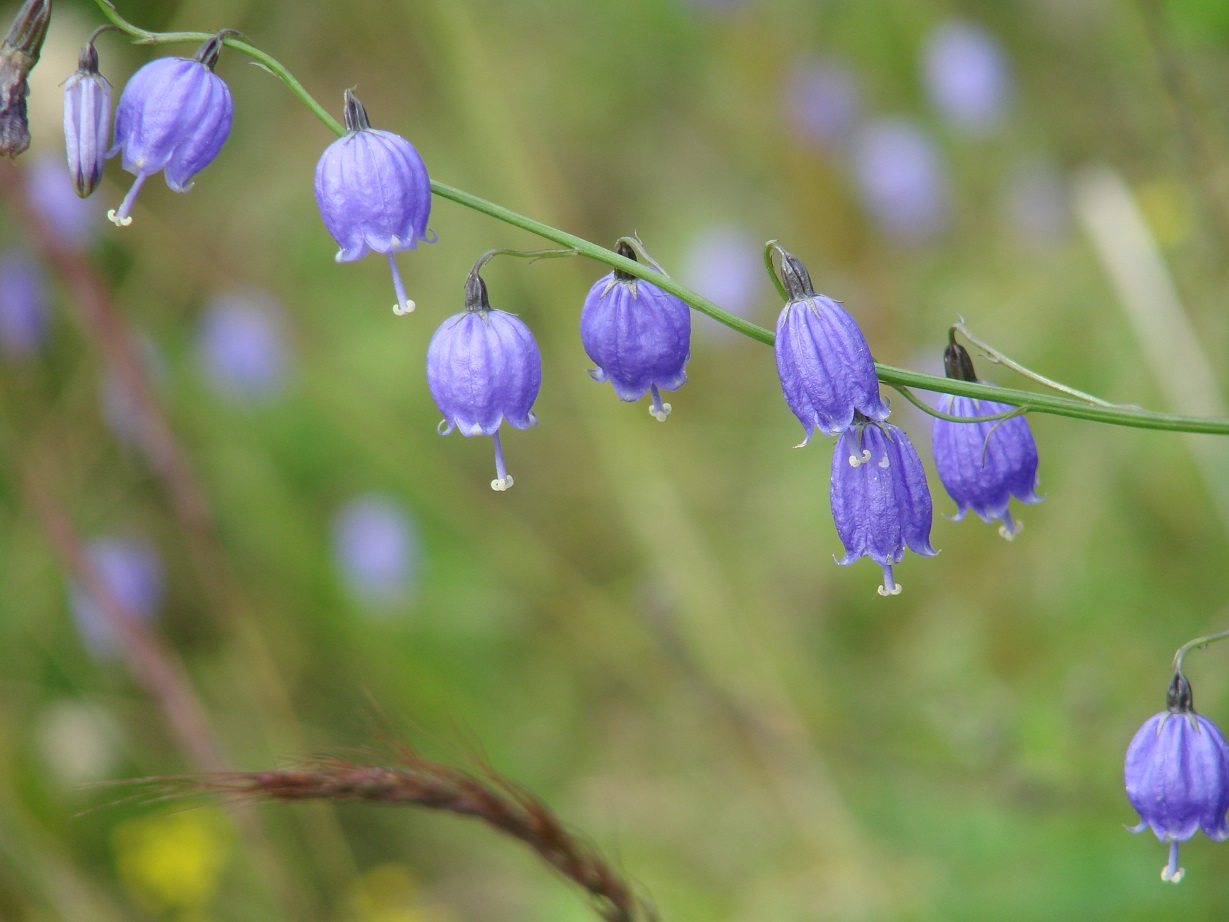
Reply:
x=826, y=370
x=173, y=115
x=880, y=498
x=484, y=367
x=901, y=179
x=374, y=194
x=24, y=315
x=638, y=336
x=982, y=465
x=87, y=119
x=1177, y=775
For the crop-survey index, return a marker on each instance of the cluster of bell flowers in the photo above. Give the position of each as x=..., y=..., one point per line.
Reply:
x=484, y=367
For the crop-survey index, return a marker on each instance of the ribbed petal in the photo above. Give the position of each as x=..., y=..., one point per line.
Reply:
x=637, y=335
x=87, y=117
x=373, y=193
x=880, y=499
x=214, y=110
x=174, y=113
x=1177, y=776
x=825, y=366
x=982, y=465
x=482, y=369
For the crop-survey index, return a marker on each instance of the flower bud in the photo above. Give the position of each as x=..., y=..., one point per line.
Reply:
x=87, y=117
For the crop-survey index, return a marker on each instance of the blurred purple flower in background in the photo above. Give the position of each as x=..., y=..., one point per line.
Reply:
x=23, y=304
x=241, y=347
x=72, y=220
x=966, y=75
x=1035, y=203
x=376, y=549
x=822, y=101
x=130, y=569
x=901, y=179
x=724, y=264
x=119, y=408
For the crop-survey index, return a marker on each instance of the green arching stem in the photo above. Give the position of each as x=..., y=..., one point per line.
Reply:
x=939, y=414
x=999, y=359
x=1192, y=644
x=1086, y=408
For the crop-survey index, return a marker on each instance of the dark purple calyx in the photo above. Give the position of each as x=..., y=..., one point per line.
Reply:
x=795, y=278
x=623, y=248
x=1179, y=700
x=957, y=363
x=476, y=301
x=356, y=114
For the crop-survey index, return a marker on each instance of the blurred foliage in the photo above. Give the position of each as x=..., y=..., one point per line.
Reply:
x=648, y=631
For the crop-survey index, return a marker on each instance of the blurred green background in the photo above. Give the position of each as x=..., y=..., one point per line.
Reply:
x=648, y=631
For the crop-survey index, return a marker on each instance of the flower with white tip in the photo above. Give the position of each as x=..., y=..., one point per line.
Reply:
x=173, y=115
x=373, y=194
x=880, y=498
x=638, y=336
x=1177, y=775
x=484, y=368
x=983, y=464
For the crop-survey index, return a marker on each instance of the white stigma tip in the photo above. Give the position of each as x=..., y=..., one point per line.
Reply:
x=885, y=462
x=117, y=220
x=855, y=461
x=502, y=485
x=1008, y=534
x=402, y=309
x=895, y=590
x=660, y=415
x=1175, y=877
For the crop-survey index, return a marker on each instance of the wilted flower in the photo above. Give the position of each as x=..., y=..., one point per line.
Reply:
x=484, y=367
x=824, y=363
x=638, y=335
x=982, y=465
x=1177, y=775
x=880, y=499
x=130, y=571
x=375, y=546
x=19, y=52
x=966, y=75
x=241, y=347
x=23, y=304
x=901, y=179
x=87, y=117
x=374, y=194
x=174, y=114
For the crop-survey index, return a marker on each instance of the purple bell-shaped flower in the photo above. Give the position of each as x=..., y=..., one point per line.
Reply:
x=374, y=194
x=826, y=370
x=982, y=465
x=1177, y=775
x=173, y=115
x=87, y=120
x=880, y=499
x=638, y=336
x=484, y=367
